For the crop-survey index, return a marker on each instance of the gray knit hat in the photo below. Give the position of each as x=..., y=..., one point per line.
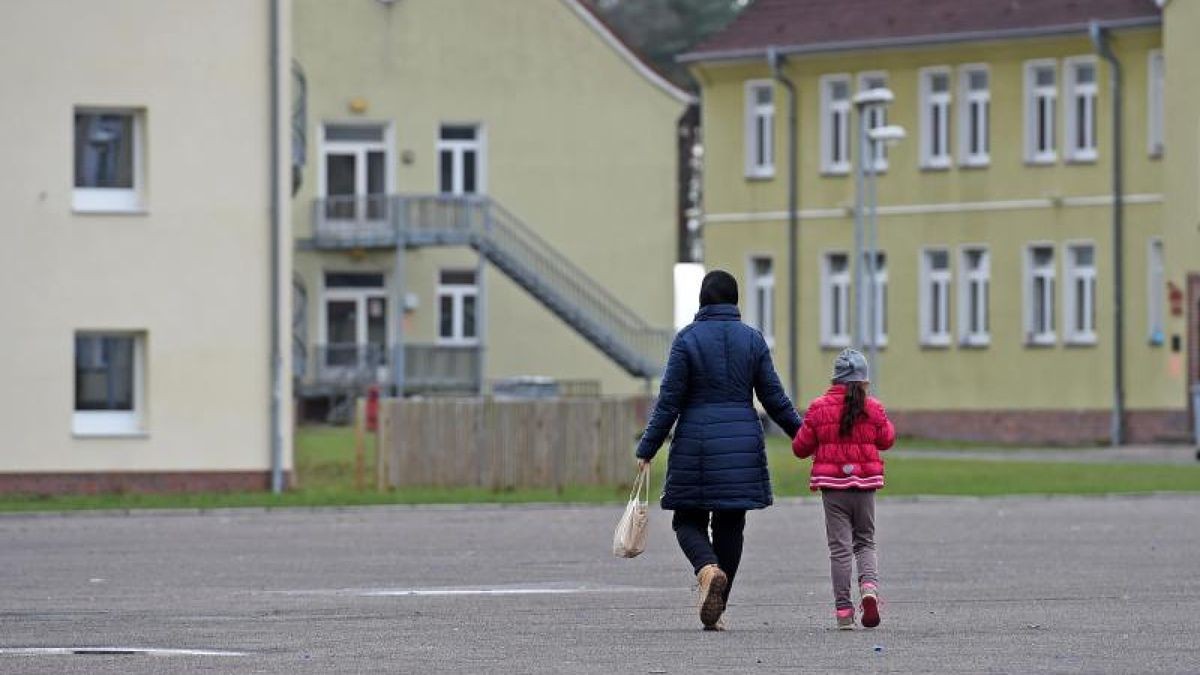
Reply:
x=850, y=366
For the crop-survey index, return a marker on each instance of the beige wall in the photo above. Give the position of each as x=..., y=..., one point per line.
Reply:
x=191, y=271
x=1182, y=180
x=1006, y=206
x=578, y=144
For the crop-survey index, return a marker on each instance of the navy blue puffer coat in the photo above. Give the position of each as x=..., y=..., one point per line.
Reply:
x=717, y=459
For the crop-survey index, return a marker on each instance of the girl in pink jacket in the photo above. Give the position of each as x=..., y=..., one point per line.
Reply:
x=844, y=432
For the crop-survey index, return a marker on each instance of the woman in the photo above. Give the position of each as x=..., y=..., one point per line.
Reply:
x=717, y=466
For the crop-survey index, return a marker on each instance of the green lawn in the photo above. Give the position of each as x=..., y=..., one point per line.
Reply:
x=325, y=471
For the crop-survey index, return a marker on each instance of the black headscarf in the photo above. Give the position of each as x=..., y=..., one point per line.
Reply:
x=718, y=288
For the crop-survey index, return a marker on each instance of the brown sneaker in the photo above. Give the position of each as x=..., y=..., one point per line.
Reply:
x=718, y=626
x=712, y=582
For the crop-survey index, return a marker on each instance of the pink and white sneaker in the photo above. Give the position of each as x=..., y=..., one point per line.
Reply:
x=870, y=605
x=845, y=618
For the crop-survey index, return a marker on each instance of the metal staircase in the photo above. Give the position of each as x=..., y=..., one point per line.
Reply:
x=512, y=247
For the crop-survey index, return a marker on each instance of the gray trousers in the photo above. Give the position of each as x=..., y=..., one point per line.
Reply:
x=850, y=530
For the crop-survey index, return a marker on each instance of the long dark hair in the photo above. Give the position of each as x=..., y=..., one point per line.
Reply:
x=854, y=406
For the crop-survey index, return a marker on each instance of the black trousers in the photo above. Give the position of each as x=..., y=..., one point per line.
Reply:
x=724, y=549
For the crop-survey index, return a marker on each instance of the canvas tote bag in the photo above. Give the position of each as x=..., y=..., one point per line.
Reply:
x=629, y=540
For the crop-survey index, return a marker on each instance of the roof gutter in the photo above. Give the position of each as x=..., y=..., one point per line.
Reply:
x=759, y=53
x=775, y=61
x=276, y=304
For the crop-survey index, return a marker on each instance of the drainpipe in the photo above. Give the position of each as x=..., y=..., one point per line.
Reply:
x=1100, y=41
x=775, y=59
x=276, y=264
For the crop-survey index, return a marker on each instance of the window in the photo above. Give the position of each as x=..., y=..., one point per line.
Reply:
x=354, y=328
x=974, y=279
x=1155, y=286
x=1081, y=109
x=935, y=297
x=876, y=115
x=762, y=297
x=935, y=118
x=974, y=141
x=1041, y=95
x=108, y=160
x=876, y=299
x=1154, y=107
x=1039, y=295
x=460, y=165
x=1079, y=305
x=760, y=129
x=835, y=124
x=458, y=296
x=835, y=300
x=109, y=383
x=355, y=171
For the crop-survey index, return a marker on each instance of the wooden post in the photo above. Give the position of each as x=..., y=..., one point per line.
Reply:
x=381, y=444
x=360, y=423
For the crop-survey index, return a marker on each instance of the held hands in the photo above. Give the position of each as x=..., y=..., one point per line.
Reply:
x=643, y=464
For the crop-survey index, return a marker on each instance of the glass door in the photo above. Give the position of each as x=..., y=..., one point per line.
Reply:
x=355, y=170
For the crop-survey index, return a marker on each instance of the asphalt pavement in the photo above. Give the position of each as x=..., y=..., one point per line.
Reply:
x=1007, y=585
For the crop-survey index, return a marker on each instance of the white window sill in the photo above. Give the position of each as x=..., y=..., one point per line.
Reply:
x=442, y=342
x=975, y=342
x=94, y=423
x=943, y=165
x=1035, y=341
x=761, y=176
x=1081, y=341
x=1041, y=161
x=1083, y=159
x=831, y=343
x=835, y=171
x=936, y=342
x=980, y=163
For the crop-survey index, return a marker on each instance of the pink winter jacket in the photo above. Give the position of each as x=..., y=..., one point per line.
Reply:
x=844, y=462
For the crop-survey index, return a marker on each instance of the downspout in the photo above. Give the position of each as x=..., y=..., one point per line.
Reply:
x=775, y=59
x=276, y=264
x=1100, y=41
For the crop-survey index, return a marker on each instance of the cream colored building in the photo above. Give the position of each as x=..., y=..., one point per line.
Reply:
x=135, y=275
x=525, y=140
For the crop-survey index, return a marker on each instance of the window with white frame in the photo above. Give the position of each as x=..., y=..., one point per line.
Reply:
x=355, y=324
x=1041, y=97
x=835, y=124
x=974, y=279
x=1080, y=110
x=876, y=115
x=974, y=125
x=458, y=295
x=934, y=307
x=1154, y=105
x=1156, y=282
x=874, y=312
x=760, y=129
x=762, y=297
x=835, y=300
x=109, y=384
x=935, y=118
x=1039, y=294
x=354, y=171
x=109, y=160
x=1079, y=305
x=460, y=159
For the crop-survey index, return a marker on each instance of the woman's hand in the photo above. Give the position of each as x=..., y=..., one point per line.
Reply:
x=643, y=464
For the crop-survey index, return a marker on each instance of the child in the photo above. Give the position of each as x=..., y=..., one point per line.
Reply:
x=847, y=429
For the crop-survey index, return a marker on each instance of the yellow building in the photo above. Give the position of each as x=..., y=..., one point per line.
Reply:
x=524, y=158
x=993, y=288
x=136, y=273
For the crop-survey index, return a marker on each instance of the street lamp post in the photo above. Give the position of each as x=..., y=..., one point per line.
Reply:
x=886, y=136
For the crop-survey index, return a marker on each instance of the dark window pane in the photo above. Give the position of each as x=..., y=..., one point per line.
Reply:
x=353, y=280
x=470, y=163
x=446, y=172
x=469, y=316
x=104, y=150
x=354, y=132
x=457, y=277
x=377, y=324
x=446, y=316
x=103, y=372
x=457, y=133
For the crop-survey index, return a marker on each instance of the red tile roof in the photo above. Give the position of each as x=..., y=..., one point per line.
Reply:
x=829, y=25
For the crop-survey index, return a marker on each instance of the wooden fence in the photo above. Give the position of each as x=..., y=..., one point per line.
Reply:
x=500, y=444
